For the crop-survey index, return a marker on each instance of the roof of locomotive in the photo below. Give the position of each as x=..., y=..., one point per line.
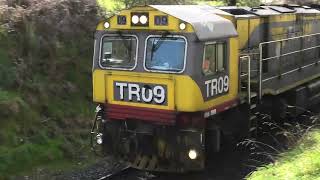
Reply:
x=306, y=10
x=280, y=9
x=204, y=19
x=269, y=10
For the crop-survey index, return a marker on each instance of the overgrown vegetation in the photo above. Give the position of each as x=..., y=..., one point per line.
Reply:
x=45, y=84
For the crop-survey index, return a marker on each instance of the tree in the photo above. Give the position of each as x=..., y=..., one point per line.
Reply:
x=232, y=2
x=130, y=3
x=250, y=3
x=300, y=2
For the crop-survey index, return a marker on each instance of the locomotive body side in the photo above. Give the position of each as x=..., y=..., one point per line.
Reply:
x=285, y=39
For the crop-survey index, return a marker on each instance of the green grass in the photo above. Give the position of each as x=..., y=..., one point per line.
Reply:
x=23, y=144
x=28, y=140
x=300, y=163
x=28, y=155
x=6, y=96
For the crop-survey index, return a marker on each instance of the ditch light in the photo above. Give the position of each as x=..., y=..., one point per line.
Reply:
x=192, y=154
x=99, y=138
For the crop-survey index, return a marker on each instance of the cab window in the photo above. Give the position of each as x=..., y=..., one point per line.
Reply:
x=214, y=58
x=165, y=54
x=118, y=52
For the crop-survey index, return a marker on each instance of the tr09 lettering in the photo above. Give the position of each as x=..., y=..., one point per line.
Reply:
x=217, y=86
x=140, y=93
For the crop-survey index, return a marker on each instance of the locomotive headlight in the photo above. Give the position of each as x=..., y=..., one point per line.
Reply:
x=106, y=25
x=135, y=19
x=182, y=26
x=143, y=19
x=99, y=139
x=193, y=154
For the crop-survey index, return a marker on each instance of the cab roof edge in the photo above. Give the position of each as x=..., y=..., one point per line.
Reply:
x=204, y=19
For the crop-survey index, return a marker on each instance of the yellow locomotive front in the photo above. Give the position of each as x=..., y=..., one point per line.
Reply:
x=159, y=73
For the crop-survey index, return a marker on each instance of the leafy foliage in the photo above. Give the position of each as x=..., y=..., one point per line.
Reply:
x=301, y=2
x=130, y=3
x=111, y=5
x=250, y=3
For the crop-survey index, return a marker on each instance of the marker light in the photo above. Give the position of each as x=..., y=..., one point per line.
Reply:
x=192, y=154
x=182, y=26
x=135, y=19
x=122, y=20
x=161, y=20
x=106, y=25
x=143, y=19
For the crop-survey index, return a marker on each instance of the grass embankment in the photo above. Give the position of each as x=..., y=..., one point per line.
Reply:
x=45, y=97
x=40, y=125
x=300, y=163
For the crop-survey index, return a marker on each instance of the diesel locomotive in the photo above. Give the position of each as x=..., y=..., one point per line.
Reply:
x=173, y=82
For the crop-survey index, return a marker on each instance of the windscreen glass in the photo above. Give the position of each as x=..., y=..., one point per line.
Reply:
x=165, y=54
x=118, y=52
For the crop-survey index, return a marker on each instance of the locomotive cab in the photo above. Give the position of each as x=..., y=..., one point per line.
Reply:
x=159, y=73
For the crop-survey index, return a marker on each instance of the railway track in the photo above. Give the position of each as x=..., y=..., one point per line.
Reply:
x=128, y=173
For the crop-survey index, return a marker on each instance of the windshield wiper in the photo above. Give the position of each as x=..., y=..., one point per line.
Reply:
x=156, y=46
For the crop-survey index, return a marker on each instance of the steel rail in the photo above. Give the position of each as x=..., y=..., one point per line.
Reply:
x=116, y=173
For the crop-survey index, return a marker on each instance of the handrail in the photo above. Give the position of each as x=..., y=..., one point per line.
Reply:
x=261, y=45
x=308, y=35
x=248, y=74
x=260, y=73
x=290, y=53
